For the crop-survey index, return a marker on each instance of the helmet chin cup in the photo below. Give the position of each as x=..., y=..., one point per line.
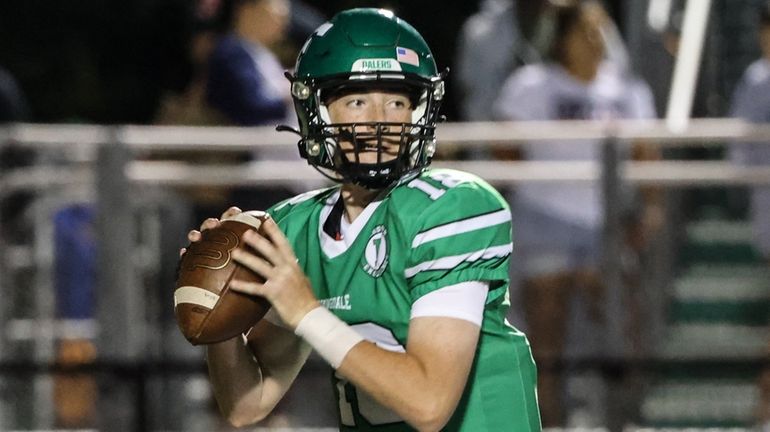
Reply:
x=373, y=176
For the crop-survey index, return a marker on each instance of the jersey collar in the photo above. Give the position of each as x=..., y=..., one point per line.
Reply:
x=332, y=247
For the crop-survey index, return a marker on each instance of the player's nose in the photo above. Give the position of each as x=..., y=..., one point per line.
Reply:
x=376, y=110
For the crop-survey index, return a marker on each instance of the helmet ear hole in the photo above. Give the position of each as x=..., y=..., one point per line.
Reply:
x=300, y=90
x=430, y=148
x=313, y=148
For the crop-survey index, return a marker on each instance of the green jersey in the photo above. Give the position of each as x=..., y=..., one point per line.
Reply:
x=433, y=230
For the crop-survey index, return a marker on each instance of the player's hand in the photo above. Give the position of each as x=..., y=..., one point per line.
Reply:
x=286, y=286
x=195, y=235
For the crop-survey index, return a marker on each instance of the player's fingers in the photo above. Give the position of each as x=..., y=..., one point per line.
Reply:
x=264, y=247
x=254, y=263
x=209, y=224
x=250, y=288
x=194, y=235
x=182, y=251
x=232, y=211
x=280, y=241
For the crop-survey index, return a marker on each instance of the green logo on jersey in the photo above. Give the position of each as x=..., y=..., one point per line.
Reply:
x=376, y=253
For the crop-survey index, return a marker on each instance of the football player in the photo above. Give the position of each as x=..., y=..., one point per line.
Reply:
x=398, y=275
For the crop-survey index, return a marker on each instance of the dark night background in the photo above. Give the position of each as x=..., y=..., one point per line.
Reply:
x=109, y=61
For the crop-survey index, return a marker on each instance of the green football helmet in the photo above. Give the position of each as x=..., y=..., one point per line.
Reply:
x=366, y=49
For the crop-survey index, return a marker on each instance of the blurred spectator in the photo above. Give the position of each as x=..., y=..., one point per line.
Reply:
x=245, y=80
x=489, y=48
x=303, y=22
x=13, y=106
x=75, y=276
x=751, y=101
x=75, y=394
x=189, y=107
x=236, y=80
x=558, y=227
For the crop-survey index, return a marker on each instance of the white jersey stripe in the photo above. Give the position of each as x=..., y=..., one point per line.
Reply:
x=450, y=262
x=462, y=226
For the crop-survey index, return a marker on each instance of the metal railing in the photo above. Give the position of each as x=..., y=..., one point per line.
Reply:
x=108, y=162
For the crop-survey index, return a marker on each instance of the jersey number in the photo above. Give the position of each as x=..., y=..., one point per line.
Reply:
x=448, y=180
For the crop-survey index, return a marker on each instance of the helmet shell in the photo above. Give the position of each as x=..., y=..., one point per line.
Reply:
x=365, y=40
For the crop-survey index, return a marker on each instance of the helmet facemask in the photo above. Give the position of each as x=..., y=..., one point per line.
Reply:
x=335, y=149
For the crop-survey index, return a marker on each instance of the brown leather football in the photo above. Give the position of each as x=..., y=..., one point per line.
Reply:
x=207, y=311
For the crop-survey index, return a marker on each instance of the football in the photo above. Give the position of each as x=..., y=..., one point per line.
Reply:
x=206, y=310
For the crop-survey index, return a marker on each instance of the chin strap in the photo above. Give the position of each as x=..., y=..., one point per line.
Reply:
x=287, y=128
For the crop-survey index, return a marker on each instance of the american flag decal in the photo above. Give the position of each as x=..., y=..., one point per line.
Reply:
x=405, y=55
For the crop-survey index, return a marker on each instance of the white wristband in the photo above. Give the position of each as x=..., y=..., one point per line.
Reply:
x=328, y=335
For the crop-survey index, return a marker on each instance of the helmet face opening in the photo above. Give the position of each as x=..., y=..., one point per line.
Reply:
x=329, y=94
x=359, y=51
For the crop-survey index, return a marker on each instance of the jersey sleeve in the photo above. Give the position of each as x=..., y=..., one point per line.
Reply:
x=279, y=210
x=282, y=209
x=464, y=235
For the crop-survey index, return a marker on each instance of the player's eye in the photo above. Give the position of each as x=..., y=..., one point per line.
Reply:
x=399, y=103
x=355, y=102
